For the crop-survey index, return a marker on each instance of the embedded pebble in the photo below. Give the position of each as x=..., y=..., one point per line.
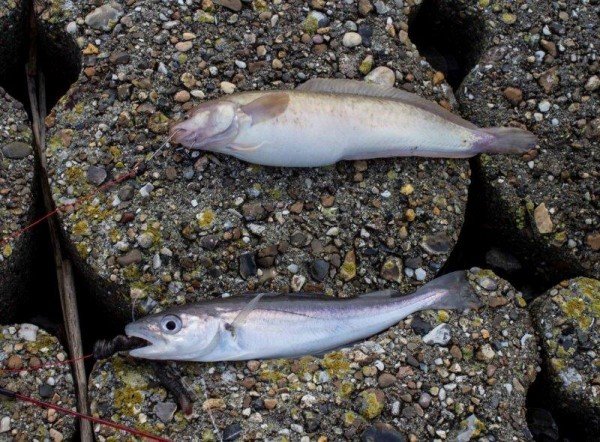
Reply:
x=28, y=332
x=439, y=335
x=16, y=150
x=382, y=75
x=104, y=17
x=351, y=39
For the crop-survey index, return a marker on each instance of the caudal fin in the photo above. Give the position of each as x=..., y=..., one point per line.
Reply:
x=453, y=292
x=506, y=140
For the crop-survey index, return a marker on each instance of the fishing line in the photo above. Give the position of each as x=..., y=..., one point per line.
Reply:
x=15, y=395
x=65, y=207
x=73, y=205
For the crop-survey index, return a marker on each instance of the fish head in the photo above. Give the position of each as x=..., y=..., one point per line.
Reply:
x=210, y=126
x=175, y=335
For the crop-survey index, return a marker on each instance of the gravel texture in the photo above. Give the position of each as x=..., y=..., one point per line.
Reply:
x=195, y=224
x=470, y=385
x=567, y=319
x=27, y=347
x=540, y=70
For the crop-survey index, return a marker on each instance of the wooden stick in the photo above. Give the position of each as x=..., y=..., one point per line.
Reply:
x=64, y=273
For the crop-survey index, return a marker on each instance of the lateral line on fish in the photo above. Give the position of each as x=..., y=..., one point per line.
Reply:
x=74, y=205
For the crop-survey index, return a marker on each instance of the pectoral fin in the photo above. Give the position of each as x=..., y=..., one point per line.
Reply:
x=245, y=147
x=243, y=314
x=266, y=107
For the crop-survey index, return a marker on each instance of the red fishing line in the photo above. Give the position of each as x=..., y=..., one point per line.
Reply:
x=64, y=207
x=15, y=395
x=97, y=420
x=74, y=204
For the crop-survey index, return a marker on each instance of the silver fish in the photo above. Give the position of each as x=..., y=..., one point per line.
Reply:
x=324, y=121
x=266, y=326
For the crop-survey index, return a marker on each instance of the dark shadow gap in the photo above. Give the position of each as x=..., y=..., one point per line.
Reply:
x=546, y=422
x=448, y=38
x=59, y=57
x=480, y=245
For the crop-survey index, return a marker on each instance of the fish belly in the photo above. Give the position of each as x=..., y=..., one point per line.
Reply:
x=327, y=129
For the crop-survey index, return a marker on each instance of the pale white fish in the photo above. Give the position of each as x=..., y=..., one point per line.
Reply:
x=324, y=121
x=268, y=326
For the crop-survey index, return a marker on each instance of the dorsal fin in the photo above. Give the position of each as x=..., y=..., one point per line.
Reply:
x=356, y=87
x=389, y=293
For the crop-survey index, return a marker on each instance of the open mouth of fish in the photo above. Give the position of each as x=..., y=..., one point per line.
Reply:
x=141, y=342
x=104, y=349
x=134, y=342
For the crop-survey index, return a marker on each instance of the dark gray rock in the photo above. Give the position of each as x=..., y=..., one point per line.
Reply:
x=16, y=150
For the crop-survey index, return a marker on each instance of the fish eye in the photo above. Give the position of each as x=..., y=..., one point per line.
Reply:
x=171, y=324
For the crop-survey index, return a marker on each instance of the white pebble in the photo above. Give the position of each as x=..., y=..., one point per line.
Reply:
x=28, y=332
x=439, y=335
x=4, y=424
x=227, y=87
x=351, y=39
x=420, y=274
x=544, y=106
x=146, y=190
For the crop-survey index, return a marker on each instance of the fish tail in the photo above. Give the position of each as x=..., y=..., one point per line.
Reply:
x=452, y=292
x=505, y=140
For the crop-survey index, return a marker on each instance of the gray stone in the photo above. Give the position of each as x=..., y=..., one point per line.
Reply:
x=165, y=411
x=104, y=17
x=381, y=75
x=16, y=150
x=351, y=39
x=96, y=175
x=439, y=335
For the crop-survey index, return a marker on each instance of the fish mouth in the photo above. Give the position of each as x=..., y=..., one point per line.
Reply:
x=180, y=135
x=144, y=344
